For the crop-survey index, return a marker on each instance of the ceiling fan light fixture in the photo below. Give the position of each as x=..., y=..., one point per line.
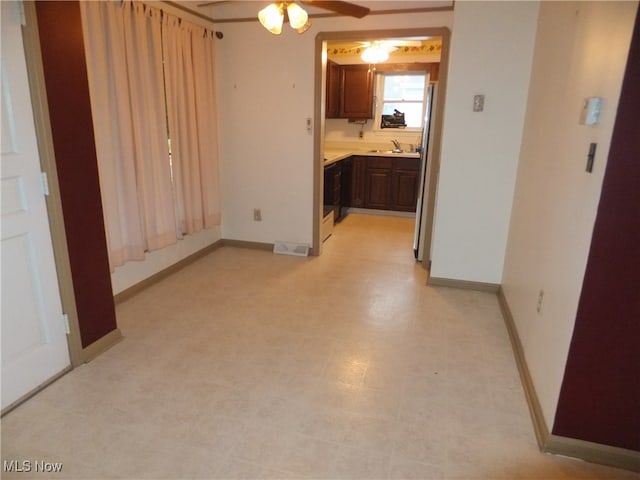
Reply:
x=297, y=15
x=271, y=17
x=375, y=54
x=304, y=27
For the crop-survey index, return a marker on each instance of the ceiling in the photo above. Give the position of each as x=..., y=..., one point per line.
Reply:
x=242, y=10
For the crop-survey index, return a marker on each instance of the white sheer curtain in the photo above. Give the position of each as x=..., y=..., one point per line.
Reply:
x=190, y=86
x=142, y=31
x=207, y=115
x=111, y=106
x=124, y=61
x=148, y=201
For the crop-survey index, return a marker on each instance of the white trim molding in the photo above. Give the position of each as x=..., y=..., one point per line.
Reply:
x=463, y=284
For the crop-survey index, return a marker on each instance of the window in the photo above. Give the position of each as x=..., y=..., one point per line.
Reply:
x=404, y=92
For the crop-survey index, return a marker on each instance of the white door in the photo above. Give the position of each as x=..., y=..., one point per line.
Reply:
x=34, y=342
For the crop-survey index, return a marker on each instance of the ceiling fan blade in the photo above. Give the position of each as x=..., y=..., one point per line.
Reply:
x=215, y=2
x=343, y=8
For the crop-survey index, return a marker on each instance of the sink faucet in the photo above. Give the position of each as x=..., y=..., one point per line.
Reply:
x=396, y=144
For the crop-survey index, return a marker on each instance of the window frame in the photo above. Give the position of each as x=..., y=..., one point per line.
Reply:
x=379, y=100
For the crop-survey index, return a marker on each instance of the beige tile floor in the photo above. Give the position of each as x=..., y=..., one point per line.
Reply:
x=248, y=364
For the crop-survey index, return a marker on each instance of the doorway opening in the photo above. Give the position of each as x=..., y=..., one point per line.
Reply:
x=381, y=160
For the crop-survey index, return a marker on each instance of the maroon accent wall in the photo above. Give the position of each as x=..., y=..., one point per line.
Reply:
x=600, y=394
x=65, y=71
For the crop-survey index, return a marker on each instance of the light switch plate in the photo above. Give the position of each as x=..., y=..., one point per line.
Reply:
x=478, y=103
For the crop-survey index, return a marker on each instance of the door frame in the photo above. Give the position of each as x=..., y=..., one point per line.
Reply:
x=37, y=87
x=431, y=178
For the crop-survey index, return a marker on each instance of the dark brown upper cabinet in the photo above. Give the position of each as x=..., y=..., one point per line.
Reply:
x=333, y=90
x=349, y=91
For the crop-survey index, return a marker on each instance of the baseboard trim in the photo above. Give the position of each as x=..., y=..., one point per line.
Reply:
x=171, y=269
x=162, y=274
x=535, y=410
x=101, y=345
x=227, y=242
x=464, y=284
x=555, y=444
x=593, y=452
x=36, y=390
x=381, y=213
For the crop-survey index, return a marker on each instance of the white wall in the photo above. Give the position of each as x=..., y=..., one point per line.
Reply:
x=491, y=54
x=134, y=272
x=265, y=93
x=581, y=51
x=267, y=155
x=341, y=131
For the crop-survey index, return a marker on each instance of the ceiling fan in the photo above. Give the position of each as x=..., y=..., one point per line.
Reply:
x=273, y=16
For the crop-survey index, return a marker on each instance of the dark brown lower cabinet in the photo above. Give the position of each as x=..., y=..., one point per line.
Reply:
x=377, y=183
x=357, y=181
x=385, y=183
x=404, y=188
x=378, y=175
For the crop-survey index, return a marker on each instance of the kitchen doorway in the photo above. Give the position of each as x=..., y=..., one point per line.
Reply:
x=428, y=187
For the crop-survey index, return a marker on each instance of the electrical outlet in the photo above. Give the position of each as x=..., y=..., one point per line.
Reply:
x=540, y=300
x=478, y=103
x=257, y=215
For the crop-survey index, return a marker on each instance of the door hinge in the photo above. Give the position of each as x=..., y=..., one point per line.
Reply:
x=45, y=183
x=65, y=322
x=23, y=18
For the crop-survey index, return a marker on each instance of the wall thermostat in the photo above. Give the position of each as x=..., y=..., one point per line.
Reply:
x=590, y=114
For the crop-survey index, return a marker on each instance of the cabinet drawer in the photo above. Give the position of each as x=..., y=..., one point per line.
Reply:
x=380, y=162
x=406, y=164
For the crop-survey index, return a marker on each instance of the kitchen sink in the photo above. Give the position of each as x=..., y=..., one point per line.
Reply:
x=383, y=151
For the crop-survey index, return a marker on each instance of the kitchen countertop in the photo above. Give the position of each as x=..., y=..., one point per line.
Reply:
x=335, y=155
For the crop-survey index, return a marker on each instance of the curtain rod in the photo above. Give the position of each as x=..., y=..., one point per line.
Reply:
x=217, y=33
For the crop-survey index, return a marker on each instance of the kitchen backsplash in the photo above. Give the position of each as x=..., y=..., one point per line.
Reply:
x=341, y=132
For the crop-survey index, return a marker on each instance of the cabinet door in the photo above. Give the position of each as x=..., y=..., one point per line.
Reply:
x=406, y=182
x=357, y=181
x=378, y=189
x=405, y=190
x=378, y=183
x=333, y=90
x=357, y=92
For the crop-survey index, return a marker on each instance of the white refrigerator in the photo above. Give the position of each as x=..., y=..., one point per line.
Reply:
x=425, y=158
